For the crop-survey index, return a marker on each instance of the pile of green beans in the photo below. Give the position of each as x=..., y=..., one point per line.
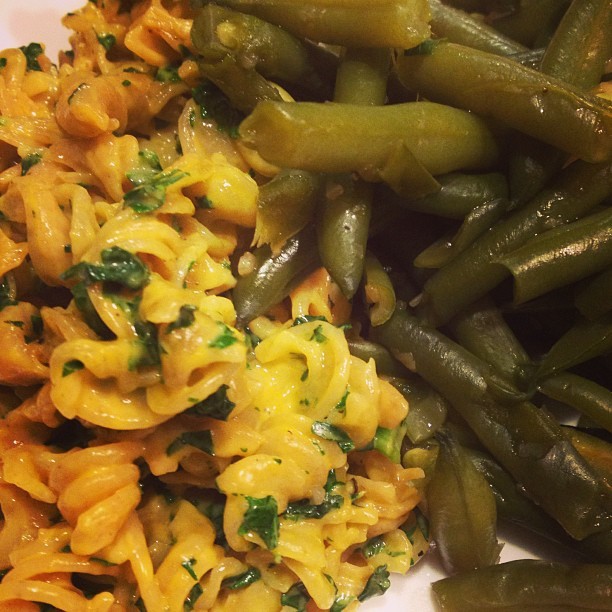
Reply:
x=450, y=165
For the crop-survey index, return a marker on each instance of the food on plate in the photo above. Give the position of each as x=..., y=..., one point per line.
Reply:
x=291, y=291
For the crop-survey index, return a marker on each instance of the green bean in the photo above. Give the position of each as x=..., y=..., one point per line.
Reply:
x=581, y=45
x=459, y=194
x=273, y=276
x=338, y=137
x=533, y=22
x=218, y=31
x=561, y=256
x=527, y=441
x=511, y=504
x=362, y=77
x=343, y=224
x=499, y=7
x=531, y=57
x=462, y=512
x=427, y=408
x=596, y=451
x=481, y=218
x=460, y=27
x=244, y=87
x=386, y=23
x=528, y=585
x=590, y=398
x=342, y=230
x=576, y=54
x=582, y=342
x=522, y=98
x=482, y=330
x=378, y=291
x=593, y=299
x=531, y=165
x=474, y=272
x=285, y=204
x=386, y=364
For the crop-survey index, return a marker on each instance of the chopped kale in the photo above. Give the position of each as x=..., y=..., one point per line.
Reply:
x=2, y=62
x=148, y=345
x=150, y=195
x=373, y=546
x=217, y=405
x=118, y=266
x=377, y=583
x=327, y=431
x=261, y=518
x=341, y=405
x=304, y=509
x=341, y=602
x=152, y=167
x=252, y=339
x=83, y=303
x=213, y=509
x=224, y=339
x=185, y=319
x=203, y=202
x=214, y=105
x=108, y=41
x=296, y=597
x=5, y=294
x=28, y=161
x=188, y=566
x=301, y=319
x=72, y=366
x=192, y=597
x=240, y=581
x=31, y=52
x=318, y=335
x=168, y=74
x=201, y=440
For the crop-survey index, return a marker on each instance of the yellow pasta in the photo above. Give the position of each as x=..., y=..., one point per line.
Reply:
x=156, y=454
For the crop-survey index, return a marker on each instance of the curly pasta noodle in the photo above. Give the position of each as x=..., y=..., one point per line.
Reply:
x=154, y=456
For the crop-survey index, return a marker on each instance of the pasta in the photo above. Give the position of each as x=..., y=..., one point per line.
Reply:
x=156, y=455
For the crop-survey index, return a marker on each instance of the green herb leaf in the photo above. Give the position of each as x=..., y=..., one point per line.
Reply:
x=168, y=74
x=214, y=105
x=88, y=312
x=201, y=440
x=150, y=195
x=301, y=319
x=32, y=51
x=185, y=319
x=327, y=431
x=377, y=583
x=296, y=597
x=304, y=509
x=118, y=266
x=318, y=335
x=341, y=405
x=261, y=518
x=373, y=547
x=28, y=161
x=188, y=566
x=107, y=41
x=224, y=339
x=5, y=293
x=216, y=405
x=194, y=595
x=240, y=581
x=74, y=365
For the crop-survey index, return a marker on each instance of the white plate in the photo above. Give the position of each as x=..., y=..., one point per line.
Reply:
x=40, y=21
